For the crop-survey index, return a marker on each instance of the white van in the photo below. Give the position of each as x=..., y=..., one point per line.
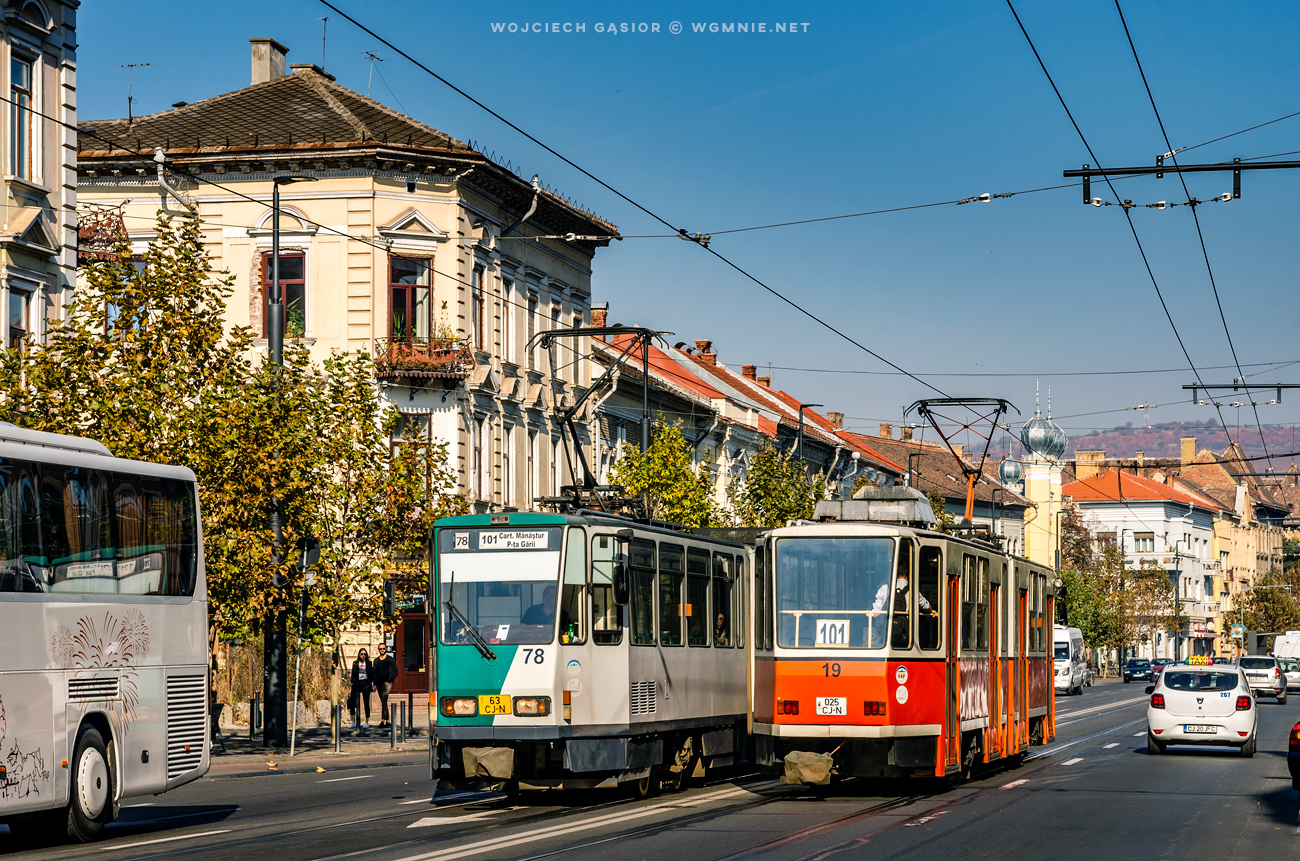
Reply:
x=1071, y=671
x=1287, y=645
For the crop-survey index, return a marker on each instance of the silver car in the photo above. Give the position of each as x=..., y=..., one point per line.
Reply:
x=1265, y=676
x=1291, y=669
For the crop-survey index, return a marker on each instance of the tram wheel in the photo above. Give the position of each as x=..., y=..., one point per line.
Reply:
x=646, y=786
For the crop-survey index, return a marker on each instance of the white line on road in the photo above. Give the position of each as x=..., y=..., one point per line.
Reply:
x=459, y=820
x=1138, y=734
x=166, y=839
x=418, y=801
x=1103, y=707
x=1108, y=746
x=338, y=779
x=1013, y=784
x=495, y=845
x=1073, y=761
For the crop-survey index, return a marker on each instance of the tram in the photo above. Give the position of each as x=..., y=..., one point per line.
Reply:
x=883, y=647
x=584, y=649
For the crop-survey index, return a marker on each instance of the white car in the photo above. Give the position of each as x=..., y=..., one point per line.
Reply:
x=1201, y=704
x=1291, y=669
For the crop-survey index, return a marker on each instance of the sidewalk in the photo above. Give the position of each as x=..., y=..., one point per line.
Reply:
x=314, y=750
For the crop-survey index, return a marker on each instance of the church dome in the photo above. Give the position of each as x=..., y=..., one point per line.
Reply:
x=1010, y=471
x=1043, y=437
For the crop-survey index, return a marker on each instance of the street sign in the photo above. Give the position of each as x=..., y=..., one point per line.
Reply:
x=308, y=552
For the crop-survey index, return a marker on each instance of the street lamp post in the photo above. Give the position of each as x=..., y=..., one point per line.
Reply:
x=803, y=407
x=275, y=652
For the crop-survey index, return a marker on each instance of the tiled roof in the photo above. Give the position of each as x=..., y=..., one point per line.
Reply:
x=661, y=366
x=934, y=469
x=1111, y=486
x=302, y=108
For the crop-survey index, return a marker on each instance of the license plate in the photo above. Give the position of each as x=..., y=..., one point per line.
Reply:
x=833, y=706
x=1200, y=728
x=493, y=704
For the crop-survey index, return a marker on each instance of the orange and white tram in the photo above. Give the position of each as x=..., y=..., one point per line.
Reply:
x=894, y=648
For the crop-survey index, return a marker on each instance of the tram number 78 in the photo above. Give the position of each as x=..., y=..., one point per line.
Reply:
x=832, y=632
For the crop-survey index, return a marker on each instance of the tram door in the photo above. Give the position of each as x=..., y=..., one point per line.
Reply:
x=996, y=722
x=1022, y=670
x=952, y=721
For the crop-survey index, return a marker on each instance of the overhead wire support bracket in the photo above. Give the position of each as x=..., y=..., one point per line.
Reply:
x=1237, y=386
x=1236, y=166
x=927, y=408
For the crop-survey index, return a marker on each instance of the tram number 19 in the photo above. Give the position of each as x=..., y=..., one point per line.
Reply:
x=832, y=632
x=831, y=670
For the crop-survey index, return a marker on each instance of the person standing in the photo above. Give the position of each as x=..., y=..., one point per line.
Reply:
x=385, y=675
x=363, y=678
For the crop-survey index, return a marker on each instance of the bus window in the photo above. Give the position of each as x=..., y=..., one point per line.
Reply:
x=670, y=595
x=20, y=536
x=927, y=623
x=698, y=623
x=606, y=618
x=738, y=604
x=723, y=589
x=573, y=593
x=901, y=636
x=641, y=565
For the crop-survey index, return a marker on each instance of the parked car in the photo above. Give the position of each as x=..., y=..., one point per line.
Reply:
x=1202, y=704
x=1137, y=668
x=1265, y=676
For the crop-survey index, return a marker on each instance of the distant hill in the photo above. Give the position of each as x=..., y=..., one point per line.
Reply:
x=1164, y=440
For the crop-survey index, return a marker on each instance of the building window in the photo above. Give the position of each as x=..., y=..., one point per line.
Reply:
x=555, y=468
x=410, y=428
x=20, y=117
x=532, y=330
x=507, y=317
x=560, y=347
x=476, y=458
x=1144, y=542
x=410, y=295
x=20, y=315
x=293, y=292
x=533, y=460
x=507, y=471
x=477, y=307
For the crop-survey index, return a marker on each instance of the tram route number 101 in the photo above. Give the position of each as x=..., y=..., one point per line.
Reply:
x=832, y=632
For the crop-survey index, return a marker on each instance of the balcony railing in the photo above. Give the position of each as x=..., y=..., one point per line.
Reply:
x=432, y=358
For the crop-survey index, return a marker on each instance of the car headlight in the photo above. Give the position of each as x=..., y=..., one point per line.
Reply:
x=532, y=706
x=459, y=707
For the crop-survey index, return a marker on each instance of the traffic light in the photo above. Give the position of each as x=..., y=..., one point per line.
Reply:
x=1158, y=639
x=390, y=599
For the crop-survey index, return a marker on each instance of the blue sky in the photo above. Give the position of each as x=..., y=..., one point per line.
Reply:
x=871, y=106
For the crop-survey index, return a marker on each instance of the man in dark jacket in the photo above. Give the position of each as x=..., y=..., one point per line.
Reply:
x=385, y=675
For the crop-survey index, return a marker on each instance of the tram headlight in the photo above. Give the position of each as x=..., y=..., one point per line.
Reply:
x=532, y=706
x=459, y=707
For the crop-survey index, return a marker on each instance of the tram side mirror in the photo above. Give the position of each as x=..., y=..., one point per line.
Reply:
x=622, y=586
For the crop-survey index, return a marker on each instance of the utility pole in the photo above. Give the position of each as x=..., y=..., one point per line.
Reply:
x=130, y=93
x=275, y=658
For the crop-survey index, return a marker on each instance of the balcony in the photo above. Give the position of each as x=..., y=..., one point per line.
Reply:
x=423, y=358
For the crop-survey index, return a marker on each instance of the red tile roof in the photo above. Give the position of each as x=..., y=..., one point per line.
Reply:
x=1111, y=486
x=663, y=366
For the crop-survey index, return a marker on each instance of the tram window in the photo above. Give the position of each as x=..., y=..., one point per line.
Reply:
x=738, y=604
x=723, y=589
x=698, y=622
x=606, y=621
x=762, y=600
x=573, y=595
x=769, y=600
x=670, y=595
x=901, y=627
x=642, y=569
x=982, y=606
x=833, y=592
x=968, y=592
x=927, y=624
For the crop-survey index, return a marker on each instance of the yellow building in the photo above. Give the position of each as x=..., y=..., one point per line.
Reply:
x=38, y=239
x=396, y=239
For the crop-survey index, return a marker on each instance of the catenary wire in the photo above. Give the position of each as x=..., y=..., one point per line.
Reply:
x=1195, y=218
x=1128, y=217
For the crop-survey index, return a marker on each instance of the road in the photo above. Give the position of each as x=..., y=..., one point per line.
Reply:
x=1093, y=793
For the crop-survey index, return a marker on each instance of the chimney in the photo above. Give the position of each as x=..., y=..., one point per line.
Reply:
x=886, y=431
x=706, y=355
x=764, y=381
x=1141, y=457
x=905, y=433
x=959, y=450
x=749, y=372
x=599, y=314
x=1088, y=463
x=268, y=60
x=1188, y=449
x=836, y=419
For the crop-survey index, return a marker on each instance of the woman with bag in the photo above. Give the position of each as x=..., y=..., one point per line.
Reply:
x=363, y=678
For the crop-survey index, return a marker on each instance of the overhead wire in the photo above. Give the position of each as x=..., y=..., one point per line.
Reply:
x=1195, y=218
x=1128, y=217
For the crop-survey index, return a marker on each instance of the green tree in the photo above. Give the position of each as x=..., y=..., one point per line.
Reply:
x=939, y=506
x=775, y=489
x=142, y=362
x=665, y=478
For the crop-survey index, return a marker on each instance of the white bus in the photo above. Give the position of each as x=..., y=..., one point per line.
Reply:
x=103, y=633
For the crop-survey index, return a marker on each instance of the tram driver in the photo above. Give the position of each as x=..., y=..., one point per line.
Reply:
x=902, y=598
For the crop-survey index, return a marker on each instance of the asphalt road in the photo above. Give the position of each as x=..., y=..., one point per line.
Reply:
x=1093, y=793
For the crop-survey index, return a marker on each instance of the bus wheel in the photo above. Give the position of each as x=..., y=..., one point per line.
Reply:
x=91, y=806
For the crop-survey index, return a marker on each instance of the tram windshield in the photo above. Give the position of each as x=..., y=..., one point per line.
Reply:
x=833, y=592
x=501, y=581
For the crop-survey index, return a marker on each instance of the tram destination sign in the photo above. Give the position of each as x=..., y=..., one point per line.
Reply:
x=515, y=539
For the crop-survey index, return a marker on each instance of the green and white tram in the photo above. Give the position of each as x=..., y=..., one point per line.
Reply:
x=584, y=650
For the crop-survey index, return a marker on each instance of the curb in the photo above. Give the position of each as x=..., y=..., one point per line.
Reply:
x=256, y=766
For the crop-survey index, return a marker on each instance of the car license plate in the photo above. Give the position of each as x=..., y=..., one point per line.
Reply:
x=493, y=704
x=1200, y=728
x=833, y=706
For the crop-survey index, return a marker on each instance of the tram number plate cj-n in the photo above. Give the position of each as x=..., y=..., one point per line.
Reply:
x=833, y=706
x=493, y=704
x=832, y=632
